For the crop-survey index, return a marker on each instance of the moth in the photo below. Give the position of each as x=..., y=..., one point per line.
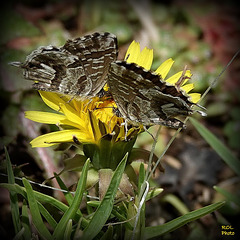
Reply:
x=79, y=68
x=142, y=97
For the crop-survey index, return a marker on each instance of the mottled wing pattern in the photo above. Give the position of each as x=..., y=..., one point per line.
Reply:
x=143, y=98
x=96, y=52
x=78, y=68
x=56, y=70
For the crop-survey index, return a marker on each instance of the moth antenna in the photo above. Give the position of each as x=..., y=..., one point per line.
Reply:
x=15, y=64
x=219, y=75
x=212, y=84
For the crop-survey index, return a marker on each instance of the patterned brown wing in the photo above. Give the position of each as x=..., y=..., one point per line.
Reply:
x=143, y=98
x=78, y=68
x=56, y=70
x=96, y=52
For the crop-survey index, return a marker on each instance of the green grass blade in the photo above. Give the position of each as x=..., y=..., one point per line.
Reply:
x=114, y=212
x=47, y=216
x=13, y=196
x=68, y=231
x=44, y=199
x=19, y=235
x=25, y=221
x=176, y=202
x=108, y=234
x=153, y=193
x=218, y=146
x=78, y=233
x=229, y=196
x=157, y=231
x=141, y=177
x=36, y=216
x=104, y=209
x=70, y=213
x=139, y=224
x=68, y=195
x=39, y=196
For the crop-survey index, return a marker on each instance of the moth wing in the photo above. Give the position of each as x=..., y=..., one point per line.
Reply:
x=95, y=52
x=56, y=70
x=139, y=96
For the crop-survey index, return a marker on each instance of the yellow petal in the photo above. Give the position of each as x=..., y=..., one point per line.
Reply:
x=77, y=105
x=164, y=68
x=51, y=99
x=54, y=138
x=188, y=75
x=145, y=58
x=94, y=127
x=44, y=117
x=188, y=87
x=133, y=52
x=106, y=87
x=72, y=124
x=71, y=114
x=174, y=78
x=195, y=97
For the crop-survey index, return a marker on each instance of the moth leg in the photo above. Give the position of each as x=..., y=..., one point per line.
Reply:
x=126, y=129
x=146, y=130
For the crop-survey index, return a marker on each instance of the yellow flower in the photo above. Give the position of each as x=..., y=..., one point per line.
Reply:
x=86, y=120
x=144, y=59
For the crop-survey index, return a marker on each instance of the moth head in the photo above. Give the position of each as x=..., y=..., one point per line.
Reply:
x=38, y=66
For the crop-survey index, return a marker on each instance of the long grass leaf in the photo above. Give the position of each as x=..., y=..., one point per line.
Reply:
x=13, y=196
x=115, y=212
x=139, y=225
x=67, y=194
x=104, y=209
x=36, y=216
x=229, y=196
x=25, y=221
x=108, y=234
x=218, y=146
x=156, y=231
x=44, y=199
x=70, y=213
x=52, y=222
x=68, y=231
x=141, y=178
x=19, y=235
